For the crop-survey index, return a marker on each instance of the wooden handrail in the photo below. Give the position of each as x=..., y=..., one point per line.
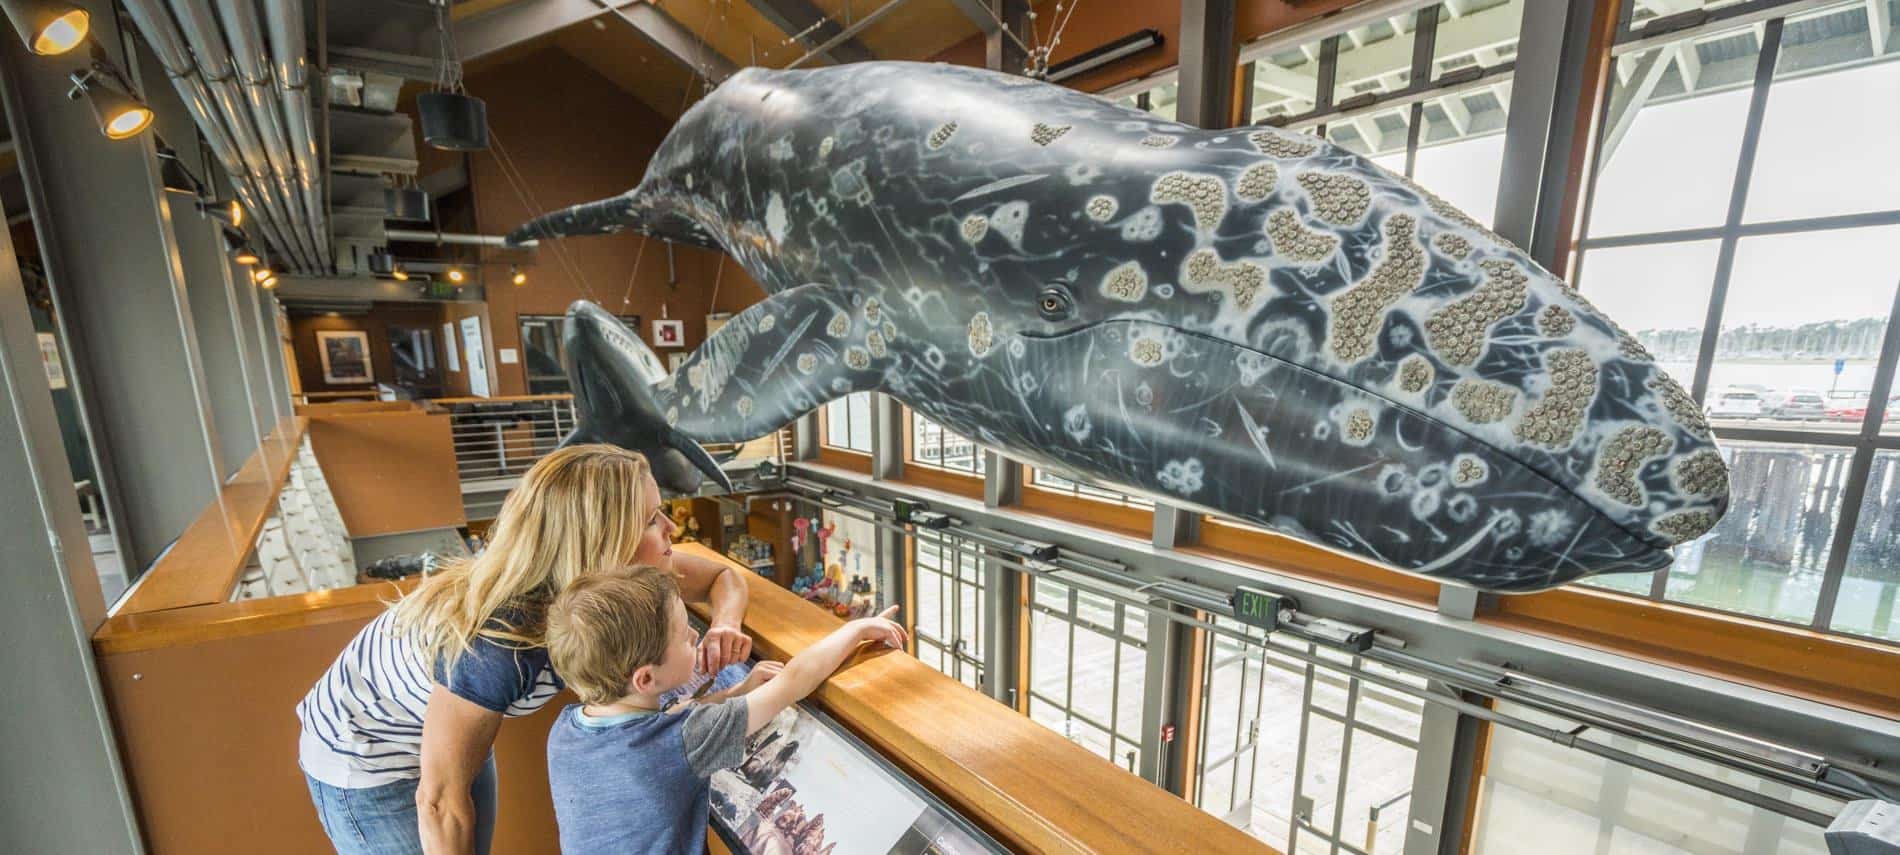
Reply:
x=129, y=633
x=203, y=566
x=1024, y=783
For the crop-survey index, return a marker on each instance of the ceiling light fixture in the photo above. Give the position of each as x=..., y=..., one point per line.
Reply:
x=121, y=114
x=48, y=28
x=520, y=278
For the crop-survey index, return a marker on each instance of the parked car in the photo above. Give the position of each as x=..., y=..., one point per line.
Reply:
x=1735, y=403
x=1846, y=407
x=1797, y=404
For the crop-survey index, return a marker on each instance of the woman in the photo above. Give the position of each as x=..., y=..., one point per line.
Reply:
x=398, y=734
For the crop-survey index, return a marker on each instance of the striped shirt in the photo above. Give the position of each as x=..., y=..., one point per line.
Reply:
x=362, y=721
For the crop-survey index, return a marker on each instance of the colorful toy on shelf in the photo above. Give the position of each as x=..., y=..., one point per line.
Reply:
x=685, y=524
x=752, y=552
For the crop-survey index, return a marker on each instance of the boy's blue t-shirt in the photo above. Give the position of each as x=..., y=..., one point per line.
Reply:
x=641, y=782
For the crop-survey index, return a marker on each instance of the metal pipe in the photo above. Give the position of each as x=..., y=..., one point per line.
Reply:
x=458, y=239
x=201, y=32
x=249, y=57
x=155, y=24
x=284, y=21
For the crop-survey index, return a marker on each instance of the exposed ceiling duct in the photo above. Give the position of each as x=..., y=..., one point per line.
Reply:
x=240, y=107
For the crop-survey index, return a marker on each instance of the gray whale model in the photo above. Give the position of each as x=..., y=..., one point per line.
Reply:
x=1252, y=322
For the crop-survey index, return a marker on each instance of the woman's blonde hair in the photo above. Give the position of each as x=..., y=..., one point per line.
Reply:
x=580, y=509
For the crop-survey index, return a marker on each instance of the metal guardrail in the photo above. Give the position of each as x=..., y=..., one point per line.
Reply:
x=502, y=437
x=498, y=439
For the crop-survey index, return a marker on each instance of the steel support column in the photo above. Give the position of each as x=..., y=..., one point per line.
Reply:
x=1554, y=74
x=1001, y=51
x=68, y=791
x=242, y=295
x=1442, y=772
x=277, y=363
x=805, y=437
x=1002, y=590
x=1167, y=699
x=887, y=437
x=106, y=234
x=212, y=328
x=1208, y=59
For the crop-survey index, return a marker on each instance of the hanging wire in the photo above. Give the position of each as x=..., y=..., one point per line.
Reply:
x=525, y=195
x=448, y=72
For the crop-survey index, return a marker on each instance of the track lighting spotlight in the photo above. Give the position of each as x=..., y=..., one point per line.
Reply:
x=457, y=276
x=261, y=274
x=269, y=282
x=239, y=247
x=519, y=277
x=230, y=213
x=121, y=114
x=48, y=27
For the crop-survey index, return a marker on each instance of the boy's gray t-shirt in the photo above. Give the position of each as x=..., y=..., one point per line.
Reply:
x=641, y=782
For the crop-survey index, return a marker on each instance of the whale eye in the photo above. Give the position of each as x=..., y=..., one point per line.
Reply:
x=1055, y=302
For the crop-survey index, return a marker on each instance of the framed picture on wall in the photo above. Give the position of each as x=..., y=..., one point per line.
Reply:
x=669, y=333
x=345, y=356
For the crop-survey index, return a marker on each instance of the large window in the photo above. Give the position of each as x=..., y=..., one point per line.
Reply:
x=1047, y=481
x=949, y=581
x=933, y=446
x=1306, y=757
x=1740, y=187
x=1574, y=803
x=846, y=423
x=1423, y=94
x=1087, y=666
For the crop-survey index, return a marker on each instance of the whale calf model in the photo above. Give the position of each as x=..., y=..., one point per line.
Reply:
x=1251, y=322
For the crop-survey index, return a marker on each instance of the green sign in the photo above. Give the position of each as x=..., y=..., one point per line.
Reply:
x=1258, y=608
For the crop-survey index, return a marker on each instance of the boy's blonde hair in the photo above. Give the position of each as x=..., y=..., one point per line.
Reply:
x=579, y=508
x=606, y=625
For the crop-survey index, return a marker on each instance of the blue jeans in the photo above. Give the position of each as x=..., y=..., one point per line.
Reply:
x=382, y=820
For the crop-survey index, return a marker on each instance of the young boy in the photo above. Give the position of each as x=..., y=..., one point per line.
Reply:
x=626, y=775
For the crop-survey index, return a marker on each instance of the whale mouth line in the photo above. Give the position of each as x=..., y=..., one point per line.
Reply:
x=1397, y=405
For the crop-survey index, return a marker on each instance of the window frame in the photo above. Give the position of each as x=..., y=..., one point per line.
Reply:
x=955, y=582
x=936, y=476
x=1867, y=439
x=835, y=455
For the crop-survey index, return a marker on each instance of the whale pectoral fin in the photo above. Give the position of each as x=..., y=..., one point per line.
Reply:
x=613, y=375
x=778, y=360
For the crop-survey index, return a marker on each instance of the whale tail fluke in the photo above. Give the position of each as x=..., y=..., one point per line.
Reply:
x=634, y=211
x=612, y=373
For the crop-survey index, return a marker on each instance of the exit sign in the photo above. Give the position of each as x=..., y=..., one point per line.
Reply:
x=1258, y=608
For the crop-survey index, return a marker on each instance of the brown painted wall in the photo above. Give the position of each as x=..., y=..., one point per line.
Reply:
x=303, y=334
x=1094, y=24
x=576, y=137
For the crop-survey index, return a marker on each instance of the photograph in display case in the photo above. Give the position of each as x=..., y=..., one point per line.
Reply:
x=808, y=787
